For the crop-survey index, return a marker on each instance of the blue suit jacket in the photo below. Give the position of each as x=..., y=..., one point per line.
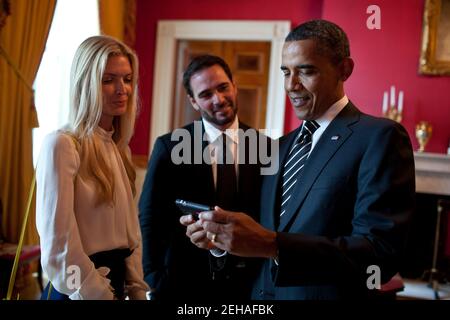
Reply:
x=349, y=210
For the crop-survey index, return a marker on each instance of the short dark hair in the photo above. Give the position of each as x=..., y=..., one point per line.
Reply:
x=331, y=40
x=202, y=62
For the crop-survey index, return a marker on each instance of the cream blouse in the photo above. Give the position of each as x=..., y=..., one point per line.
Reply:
x=71, y=227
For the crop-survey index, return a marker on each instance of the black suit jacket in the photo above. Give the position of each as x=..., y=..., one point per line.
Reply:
x=349, y=210
x=173, y=266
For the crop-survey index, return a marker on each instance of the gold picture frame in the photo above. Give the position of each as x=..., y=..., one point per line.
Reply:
x=435, y=50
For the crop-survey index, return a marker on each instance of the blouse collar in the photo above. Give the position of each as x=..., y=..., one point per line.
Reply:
x=105, y=135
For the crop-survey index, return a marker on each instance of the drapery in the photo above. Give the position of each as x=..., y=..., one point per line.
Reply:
x=118, y=19
x=22, y=42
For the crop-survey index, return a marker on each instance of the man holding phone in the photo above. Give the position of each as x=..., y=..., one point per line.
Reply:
x=342, y=200
x=173, y=266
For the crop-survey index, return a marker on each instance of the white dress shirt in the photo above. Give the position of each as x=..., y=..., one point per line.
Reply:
x=326, y=119
x=213, y=135
x=71, y=226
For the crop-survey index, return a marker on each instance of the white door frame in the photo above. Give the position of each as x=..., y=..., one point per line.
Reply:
x=170, y=31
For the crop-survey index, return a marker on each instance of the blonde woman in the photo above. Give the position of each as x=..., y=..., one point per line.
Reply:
x=86, y=216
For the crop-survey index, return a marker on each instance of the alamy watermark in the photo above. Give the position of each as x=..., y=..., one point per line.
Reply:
x=253, y=148
x=374, y=280
x=73, y=281
x=374, y=20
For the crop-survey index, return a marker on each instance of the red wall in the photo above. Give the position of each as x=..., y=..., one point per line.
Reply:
x=382, y=57
x=150, y=12
x=390, y=56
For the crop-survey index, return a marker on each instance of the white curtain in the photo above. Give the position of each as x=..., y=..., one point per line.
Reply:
x=73, y=22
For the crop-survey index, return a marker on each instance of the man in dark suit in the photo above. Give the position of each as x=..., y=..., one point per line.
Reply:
x=335, y=216
x=191, y=169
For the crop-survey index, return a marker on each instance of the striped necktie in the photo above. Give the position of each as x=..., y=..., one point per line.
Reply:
x=296, y=161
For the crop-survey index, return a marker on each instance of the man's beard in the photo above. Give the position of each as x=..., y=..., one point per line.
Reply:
x=224, y=121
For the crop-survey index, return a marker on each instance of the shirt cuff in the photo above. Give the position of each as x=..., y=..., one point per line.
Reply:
x=276, y=260
x=136, y=293
x=218, y=252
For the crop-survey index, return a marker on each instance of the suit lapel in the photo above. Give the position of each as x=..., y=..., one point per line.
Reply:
x=203, y=171
x=247, y=172
x=324, y=150
x=270, y=189
x=268, y=201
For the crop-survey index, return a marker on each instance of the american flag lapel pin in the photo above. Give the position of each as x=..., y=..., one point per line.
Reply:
x=334, y=138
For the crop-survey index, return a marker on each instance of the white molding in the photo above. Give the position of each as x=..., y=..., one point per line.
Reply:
x=432, y=173
x=170, y=31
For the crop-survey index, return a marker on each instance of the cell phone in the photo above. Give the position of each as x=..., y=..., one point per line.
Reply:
x=192, y=208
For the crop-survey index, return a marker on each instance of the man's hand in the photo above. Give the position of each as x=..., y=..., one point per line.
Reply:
x=196, y=233
x=238, y=233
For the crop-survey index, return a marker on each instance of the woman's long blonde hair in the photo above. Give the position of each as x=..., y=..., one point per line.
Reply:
x=86, y=104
